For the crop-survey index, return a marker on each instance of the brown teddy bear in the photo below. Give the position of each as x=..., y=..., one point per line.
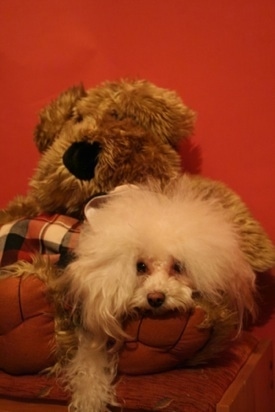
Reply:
x=91, y=142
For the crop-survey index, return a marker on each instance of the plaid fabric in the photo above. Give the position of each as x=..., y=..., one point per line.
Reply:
x=51, y=235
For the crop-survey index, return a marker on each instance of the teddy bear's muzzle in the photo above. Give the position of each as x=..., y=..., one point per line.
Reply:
x=81, y=159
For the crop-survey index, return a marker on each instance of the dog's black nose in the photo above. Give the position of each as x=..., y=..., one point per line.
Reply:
x=155, y=299
x=81, y=159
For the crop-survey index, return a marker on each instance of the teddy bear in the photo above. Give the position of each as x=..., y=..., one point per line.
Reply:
x=92, y=141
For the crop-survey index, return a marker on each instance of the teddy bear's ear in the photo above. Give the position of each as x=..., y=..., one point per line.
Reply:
x=53, y=116
x=155, y=109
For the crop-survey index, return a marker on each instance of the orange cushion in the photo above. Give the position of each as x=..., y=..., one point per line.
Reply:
x=27, y=335
x=26, y=326
x=191, y=390
x=161, y=343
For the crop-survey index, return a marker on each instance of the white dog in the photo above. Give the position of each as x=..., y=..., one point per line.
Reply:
x=144, y=249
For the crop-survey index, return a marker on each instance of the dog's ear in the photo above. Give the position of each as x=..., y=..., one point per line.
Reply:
x=99, y=200
x=95, y=203
x=54, y=116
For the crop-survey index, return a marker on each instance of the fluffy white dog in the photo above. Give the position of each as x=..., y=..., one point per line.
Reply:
x=146, y=249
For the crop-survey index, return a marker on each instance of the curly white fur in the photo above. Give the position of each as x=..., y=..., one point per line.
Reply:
x=142, y=249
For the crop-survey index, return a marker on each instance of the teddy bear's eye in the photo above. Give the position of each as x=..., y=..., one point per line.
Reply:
x=114, y=114
x=142, y=267
x=78, y=118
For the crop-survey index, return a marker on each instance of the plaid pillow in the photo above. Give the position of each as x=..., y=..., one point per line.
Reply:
x=51, y=235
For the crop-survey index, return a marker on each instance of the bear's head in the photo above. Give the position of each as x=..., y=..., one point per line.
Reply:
x=91, y=141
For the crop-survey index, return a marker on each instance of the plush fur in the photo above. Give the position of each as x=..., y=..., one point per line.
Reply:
x=158, y=111
x=148, y=250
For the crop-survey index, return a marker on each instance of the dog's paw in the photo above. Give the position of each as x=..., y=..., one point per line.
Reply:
x=80, y=407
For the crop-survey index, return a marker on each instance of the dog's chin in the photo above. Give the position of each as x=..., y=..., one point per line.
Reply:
x=162, y=311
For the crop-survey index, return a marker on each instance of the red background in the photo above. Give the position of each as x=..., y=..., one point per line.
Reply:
x=218, y=54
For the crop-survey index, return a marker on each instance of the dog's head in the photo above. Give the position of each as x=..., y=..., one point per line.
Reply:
x=143, y=249
x=91, y=141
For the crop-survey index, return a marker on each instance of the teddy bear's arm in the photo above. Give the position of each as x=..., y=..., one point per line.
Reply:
x=20, y=206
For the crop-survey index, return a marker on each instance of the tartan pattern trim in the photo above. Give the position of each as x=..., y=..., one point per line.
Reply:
x=49, y=235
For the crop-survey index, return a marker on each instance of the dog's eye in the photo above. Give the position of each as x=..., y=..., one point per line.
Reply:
x=142, y=267
x=178, y=267
x=196, y=294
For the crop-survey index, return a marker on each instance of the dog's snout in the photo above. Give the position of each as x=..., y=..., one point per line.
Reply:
x=155, y=299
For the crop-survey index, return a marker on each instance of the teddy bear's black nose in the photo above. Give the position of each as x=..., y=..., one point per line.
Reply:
x=81, y=159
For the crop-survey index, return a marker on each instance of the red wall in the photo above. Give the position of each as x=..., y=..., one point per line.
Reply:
x=219, y=55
